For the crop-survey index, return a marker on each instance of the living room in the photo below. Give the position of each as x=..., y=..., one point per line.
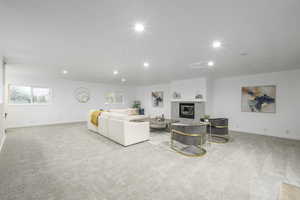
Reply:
x=150, y=100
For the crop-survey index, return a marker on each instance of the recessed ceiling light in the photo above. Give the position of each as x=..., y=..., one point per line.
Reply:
x=64, y=71
x=123, y=80
x=138, y=27
x=146, y=64
x=116, y=72
x=216, y=44
x=210, y=63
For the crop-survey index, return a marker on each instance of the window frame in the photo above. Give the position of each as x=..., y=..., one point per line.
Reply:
x=9, y=102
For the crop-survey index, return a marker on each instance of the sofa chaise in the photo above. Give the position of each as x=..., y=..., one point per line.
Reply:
x=120, y=126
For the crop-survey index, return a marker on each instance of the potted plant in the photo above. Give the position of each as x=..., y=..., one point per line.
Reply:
x=136, y=104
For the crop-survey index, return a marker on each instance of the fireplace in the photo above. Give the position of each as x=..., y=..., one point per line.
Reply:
x=187, y=110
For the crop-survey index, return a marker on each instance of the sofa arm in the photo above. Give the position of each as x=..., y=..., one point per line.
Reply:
x=135, y=132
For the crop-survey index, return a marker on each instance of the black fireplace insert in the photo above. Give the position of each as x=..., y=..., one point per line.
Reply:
x=187, y=110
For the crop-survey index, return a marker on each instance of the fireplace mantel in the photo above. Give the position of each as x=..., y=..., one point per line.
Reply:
x=187, y=100
x=199, y=110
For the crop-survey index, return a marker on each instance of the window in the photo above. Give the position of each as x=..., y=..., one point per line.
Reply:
x=20, y=95
x=41, y=95
x=114, y=98
x=27, y=95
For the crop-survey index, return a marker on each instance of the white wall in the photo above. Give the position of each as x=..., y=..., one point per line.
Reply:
x=223, y=100
x=1, y=101
x=209, y=96
x=187, y=88
x=64, y=107
x=284, y=123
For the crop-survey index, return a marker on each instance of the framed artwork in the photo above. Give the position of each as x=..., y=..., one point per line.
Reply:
x=157, y=99
x=82, y=95
x=114, y=98
x=261, y=99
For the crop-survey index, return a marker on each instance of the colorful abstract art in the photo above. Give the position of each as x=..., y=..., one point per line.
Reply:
x=260, y=99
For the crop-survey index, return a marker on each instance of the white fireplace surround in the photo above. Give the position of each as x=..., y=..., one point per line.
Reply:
x=187, y=100
x=199, y=110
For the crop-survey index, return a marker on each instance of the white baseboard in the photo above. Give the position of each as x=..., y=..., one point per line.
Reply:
x=2, y=141
x=46, y=124
x=267, y=135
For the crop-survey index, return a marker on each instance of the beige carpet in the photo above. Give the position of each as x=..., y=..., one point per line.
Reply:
x=68, y=162
x=289, y=192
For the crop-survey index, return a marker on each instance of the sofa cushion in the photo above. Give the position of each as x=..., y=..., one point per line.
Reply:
x=122, y=111
x=136, y=117
x=127, y=111
x=124, y=117
x=132, y=111
x=117, y=116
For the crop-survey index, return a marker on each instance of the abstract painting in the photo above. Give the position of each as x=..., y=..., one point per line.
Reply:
x=260, y=99
x=157, y=99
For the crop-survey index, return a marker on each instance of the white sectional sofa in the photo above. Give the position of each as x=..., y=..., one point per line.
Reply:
x=119, y=126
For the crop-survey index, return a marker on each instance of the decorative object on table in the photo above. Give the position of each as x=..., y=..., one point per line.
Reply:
x=141, y=111
x=261, y=99
x=157, y=99
x=159, y=123
x=176, y=95
x=82, y=95
x=199, y=96
x=219, y=129
x=163, y=117
x=160, y=118
x=137, y=105
x=189, y=138
x=206, y=118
